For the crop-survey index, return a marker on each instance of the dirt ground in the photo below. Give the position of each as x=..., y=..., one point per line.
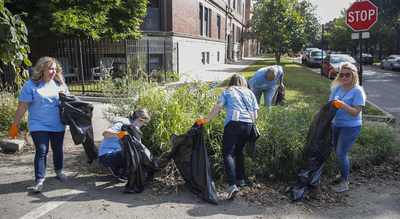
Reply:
x=374, y=192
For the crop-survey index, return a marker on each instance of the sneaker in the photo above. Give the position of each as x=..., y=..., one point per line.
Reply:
x=337, y=179
x=61, y=176
x=240, y=182
x=38, y=188
x=233, y=190
x=123, y=179
x=114, y=171
x=340, y=187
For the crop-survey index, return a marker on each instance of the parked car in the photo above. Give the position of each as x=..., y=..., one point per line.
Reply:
x=366, y=58
x=314, y=57
x=304, y=54
x=331, y=64
x=391, y=62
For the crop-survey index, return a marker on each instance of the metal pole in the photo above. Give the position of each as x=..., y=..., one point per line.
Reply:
x=81, y=60
x=148, y=60
x=361, y=69
x=322, y=47
x=165, y=64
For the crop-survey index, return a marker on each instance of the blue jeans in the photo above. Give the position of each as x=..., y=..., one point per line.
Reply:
x=41, y=140
x=268, y=95
x=233, y=141
x=343, y=138
x=114, y=159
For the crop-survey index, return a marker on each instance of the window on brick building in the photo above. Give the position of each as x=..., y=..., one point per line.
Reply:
x=218, y=26
x=205, y=21
x=238, y=35
x=201, y=19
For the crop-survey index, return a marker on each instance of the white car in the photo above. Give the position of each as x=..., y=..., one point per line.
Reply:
x=304, y=54
x=391, y=62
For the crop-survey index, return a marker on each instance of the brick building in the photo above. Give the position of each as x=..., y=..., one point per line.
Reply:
x=205, y=32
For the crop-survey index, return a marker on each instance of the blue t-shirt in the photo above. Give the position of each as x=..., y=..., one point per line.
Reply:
x=112, y=144
x=353, y=97
x=44, y=114
x=236, y=110
x=260, y=81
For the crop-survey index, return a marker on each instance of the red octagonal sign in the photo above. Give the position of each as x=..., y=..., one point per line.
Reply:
x=361, y=15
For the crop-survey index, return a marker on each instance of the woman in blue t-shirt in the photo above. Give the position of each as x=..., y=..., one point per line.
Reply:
x=241, y=106
x=39, y=96
x=110, y=154
x=349, y=98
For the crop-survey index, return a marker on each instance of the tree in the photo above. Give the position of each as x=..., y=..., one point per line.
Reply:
x=278, y=25
x=112, y=19
x=14, y=44
x=307, y=11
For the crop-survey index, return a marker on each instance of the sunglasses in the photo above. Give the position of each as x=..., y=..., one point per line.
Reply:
x=343, y=75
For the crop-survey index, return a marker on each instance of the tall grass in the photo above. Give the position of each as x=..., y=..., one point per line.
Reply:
x=175, y=109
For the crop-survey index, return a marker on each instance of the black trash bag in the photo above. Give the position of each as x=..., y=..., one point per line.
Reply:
x=141, y=165
x=78, y=115
x=279, y=96
x=316, y=151
x=189, y=152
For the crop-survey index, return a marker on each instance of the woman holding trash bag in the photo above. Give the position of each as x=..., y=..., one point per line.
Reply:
x=110, y=154
x=349, y=98
x=241, y=105
x=39, y=96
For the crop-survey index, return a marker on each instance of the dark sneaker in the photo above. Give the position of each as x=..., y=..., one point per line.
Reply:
x=38, y=188
x=61, y=176
x=337, y=179
x=114, y=171
x=123, y=179
x=340, y=187
x=233, y=190
x=240, y=182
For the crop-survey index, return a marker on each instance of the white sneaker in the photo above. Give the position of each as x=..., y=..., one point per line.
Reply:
x=233, y=190
x=340, y=187
x=38, y=188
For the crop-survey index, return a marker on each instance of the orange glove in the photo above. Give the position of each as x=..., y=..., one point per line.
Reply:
x=337, y=103
x=201, y=122
x=13, y=131
x=121, y=134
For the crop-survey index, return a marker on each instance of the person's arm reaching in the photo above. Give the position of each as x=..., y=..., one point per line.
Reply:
x=215, y=111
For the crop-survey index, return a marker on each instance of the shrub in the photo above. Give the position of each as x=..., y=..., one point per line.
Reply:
x=8, y=106
x=284, y=129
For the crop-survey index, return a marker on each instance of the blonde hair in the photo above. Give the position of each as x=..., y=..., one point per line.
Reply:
x=43, y=64
x=141, y=113
x=237, y=79
x=339, y=81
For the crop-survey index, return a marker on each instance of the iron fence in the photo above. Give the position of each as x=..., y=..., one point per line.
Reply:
x=87, y=64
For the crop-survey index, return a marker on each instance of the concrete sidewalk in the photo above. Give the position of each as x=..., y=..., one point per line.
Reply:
x=207, y=74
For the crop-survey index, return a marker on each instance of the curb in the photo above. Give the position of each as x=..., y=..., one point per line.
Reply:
x=388, y=118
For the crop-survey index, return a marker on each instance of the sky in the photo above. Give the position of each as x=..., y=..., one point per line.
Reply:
x=327, y=10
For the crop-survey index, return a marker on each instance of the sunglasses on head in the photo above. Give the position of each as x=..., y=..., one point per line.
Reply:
x=342, y=75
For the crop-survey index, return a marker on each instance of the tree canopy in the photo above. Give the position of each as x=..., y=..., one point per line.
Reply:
x=283, y=25
x=112, y=19
x=14, y=46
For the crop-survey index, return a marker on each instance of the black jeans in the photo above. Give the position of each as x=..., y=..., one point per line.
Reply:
x=234, y=139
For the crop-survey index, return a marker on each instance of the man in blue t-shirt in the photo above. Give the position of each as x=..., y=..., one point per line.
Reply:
x=264, y=80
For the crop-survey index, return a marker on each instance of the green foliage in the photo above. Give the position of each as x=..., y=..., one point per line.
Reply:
x=112, y=19
x=282, y=26
x=376, y=144
x=8, y=106
x=284, y=129
x=14, y=46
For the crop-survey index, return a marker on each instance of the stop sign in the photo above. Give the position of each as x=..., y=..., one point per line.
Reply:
x=361, y=15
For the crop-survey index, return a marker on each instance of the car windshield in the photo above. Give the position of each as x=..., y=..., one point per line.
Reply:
x=317, y=53
x=338, y=59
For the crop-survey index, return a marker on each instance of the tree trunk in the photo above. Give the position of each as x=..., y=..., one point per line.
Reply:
x=277, y=57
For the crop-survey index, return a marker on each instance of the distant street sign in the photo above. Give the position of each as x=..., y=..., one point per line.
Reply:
x=364, y=35
x=361, y=15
